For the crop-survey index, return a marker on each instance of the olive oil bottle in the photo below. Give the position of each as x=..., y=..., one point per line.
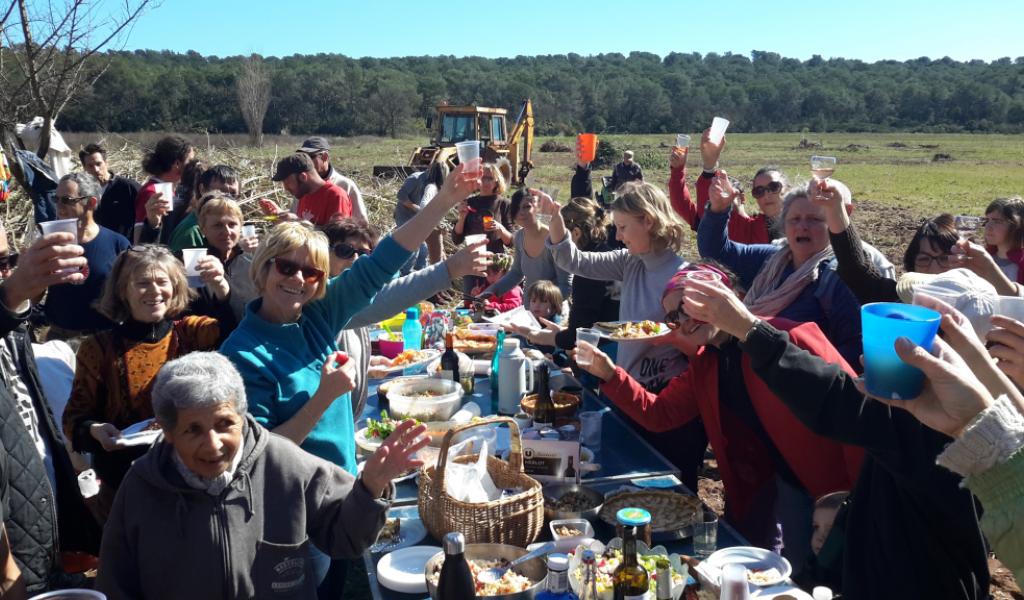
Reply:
x=630, y=579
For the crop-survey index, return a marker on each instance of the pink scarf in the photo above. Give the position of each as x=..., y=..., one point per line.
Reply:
x=765, y=299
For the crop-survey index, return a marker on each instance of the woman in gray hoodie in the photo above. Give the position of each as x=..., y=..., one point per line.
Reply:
x=222, y=508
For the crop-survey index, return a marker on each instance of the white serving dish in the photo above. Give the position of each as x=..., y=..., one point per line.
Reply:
x=403, y=403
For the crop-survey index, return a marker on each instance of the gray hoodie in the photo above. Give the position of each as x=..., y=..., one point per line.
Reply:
x=165, y=539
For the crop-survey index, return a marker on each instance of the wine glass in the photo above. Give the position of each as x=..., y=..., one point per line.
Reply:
x=822, y=167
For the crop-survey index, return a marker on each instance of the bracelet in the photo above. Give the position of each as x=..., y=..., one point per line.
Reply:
x=746, y=336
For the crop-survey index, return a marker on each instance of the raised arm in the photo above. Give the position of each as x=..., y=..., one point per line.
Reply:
x=713, y=242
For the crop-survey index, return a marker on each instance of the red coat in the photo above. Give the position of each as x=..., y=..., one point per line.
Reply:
x=742, y=228
x=821, y=465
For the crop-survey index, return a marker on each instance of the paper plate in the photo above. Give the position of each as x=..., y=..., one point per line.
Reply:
x=753, y=559
x=430, y=354
x=364, y=441
x=402, y=570
x=606, y=328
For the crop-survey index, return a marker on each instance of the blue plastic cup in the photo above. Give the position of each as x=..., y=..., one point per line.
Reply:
x=882, y=323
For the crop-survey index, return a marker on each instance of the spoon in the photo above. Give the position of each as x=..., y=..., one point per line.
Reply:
x=495, y=573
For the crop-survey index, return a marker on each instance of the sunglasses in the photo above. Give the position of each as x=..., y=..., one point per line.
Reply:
x=759, y=190
x=675, y=318
x=346, y=251
x=287, y=268
x=9, y=261
x=71, y=201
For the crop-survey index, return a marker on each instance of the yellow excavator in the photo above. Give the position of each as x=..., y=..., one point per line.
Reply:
x=481, y=123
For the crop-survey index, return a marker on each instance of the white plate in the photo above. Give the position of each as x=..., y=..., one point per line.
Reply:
x=751, y=558
x=364, y=441
x=411, y=531
x=516, y=316
x=403, y=570
x=406, y=477
x=420, y=363
x=142, y=438
x=606, y=332
x=137, y=427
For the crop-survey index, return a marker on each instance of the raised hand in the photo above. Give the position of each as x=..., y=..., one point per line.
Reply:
x=459, y=185
x=471, y=259
x=712, y=302
x=397, y=455
x=677, y=158
x=710, y=152
x=721, y=193
x=211, y=272
x=1006, y=345
x=52, y=260
x=601, y=366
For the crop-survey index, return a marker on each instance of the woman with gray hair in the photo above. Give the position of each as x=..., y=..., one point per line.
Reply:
x=796, y=279
x=222, y=508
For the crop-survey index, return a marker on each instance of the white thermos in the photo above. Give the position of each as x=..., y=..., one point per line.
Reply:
x=515, y=377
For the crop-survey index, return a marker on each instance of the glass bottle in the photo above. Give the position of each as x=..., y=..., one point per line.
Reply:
x=570, y=472
x=663, y=579
x=544, y=407
x=630, y=579
x=450, y=360
x=456, y=582
x=557, y=581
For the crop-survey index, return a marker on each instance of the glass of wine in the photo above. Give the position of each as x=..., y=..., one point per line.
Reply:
x=822, y=167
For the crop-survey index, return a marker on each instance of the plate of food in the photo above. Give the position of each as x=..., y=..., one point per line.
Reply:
x=670, y=511
x=399, y=532
x=142, y=433
x=764, y=567
x=632, y=331
x=608, y=558
x=370, y=438
x=469, y=341
x=410, y=359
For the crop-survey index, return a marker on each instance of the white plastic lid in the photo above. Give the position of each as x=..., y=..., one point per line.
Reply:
x=558, y=562
x=822, y=593
x=510, y=345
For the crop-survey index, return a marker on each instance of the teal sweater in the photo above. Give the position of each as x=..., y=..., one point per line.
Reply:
x=280, y=362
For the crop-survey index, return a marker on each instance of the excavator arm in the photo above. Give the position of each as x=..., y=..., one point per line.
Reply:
x=521, y=137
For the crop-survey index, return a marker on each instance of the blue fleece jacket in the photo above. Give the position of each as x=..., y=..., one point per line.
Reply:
x=280, y=362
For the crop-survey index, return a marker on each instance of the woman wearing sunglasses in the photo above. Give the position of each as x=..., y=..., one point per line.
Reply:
x=770, y=476
x=349, y=241
x=145, y=296
x=768, y=188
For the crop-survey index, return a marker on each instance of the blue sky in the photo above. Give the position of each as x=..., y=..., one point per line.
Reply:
x=865, y=29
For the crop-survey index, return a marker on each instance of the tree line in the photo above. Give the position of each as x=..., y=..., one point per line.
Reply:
x=638, y=93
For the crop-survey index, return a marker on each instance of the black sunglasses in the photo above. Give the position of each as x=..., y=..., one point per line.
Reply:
x=288, y=268
x=675, y=318
x=71, y=200
x=346, y=251
x=8, y=261
x=759, y=190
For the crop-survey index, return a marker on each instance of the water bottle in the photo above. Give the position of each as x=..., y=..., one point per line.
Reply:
x=412, y=331
x=456, y=582
x=516, y=377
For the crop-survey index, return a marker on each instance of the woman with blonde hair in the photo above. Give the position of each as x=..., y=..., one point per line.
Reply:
x=653, y=236
x=297, y=381
x=145, y=296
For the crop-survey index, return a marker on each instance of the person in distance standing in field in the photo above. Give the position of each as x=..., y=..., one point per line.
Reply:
x=626, y=171
x=116, y=210
x=319, y=151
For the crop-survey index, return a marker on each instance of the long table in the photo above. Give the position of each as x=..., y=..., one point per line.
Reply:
x=625, y=458
x=623, y=455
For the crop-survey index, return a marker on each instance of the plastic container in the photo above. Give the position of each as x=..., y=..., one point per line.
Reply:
x=882, y=323
x=391, y=349
x=582, y=525
x=586, y=147
x=405, y=400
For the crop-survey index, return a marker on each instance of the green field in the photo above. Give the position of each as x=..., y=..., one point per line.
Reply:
x=893, y=176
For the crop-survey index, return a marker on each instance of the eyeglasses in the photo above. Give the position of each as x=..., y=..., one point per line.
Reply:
x=71, y=201
x=923, y=260
x=759, y=190
x=346, y=251
x=9, y=261
x=287, y=268
x=675, y=318
x=997, y=221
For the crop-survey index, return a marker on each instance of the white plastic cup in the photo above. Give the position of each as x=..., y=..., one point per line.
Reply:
x=718, y=127
x=682, y=140
x=1012, y=307
x=65, y=225
x=734, y=582
x=248, y=230
x=475, y=238
x=191, y=256
x=585, y=357
x=167, y=189
x=469, y=155
x=87, y=483
x=590, y=428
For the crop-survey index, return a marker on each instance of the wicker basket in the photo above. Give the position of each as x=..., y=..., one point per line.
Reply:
x=515, y=520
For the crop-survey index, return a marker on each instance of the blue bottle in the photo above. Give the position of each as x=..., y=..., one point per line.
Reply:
x=557, y=582
x=412, y=331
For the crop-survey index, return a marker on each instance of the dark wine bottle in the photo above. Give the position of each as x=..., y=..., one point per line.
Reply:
x=456, y=582
x=544, y=407
x=570, y=472
x=450, y=360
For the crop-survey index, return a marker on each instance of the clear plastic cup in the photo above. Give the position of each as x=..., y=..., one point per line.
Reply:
x=882, y=323
x=475, y=238
x=1012, y=307
x=469, y=155
x=248, y=230
x=60, y=225
x=584, y=356
x=705, y=536
x=682, y=140
x=167, y=189
x=718, y=127
x=191, y=256
x=590, y=428
x=734, y=582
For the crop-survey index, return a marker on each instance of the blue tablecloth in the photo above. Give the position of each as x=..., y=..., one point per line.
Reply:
x=623, y=455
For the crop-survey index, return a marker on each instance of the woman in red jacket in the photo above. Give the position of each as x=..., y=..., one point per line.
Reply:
x=772, y=466
x=1004, y=235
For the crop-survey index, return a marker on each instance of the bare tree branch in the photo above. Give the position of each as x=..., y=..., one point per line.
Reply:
x=253, y=87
